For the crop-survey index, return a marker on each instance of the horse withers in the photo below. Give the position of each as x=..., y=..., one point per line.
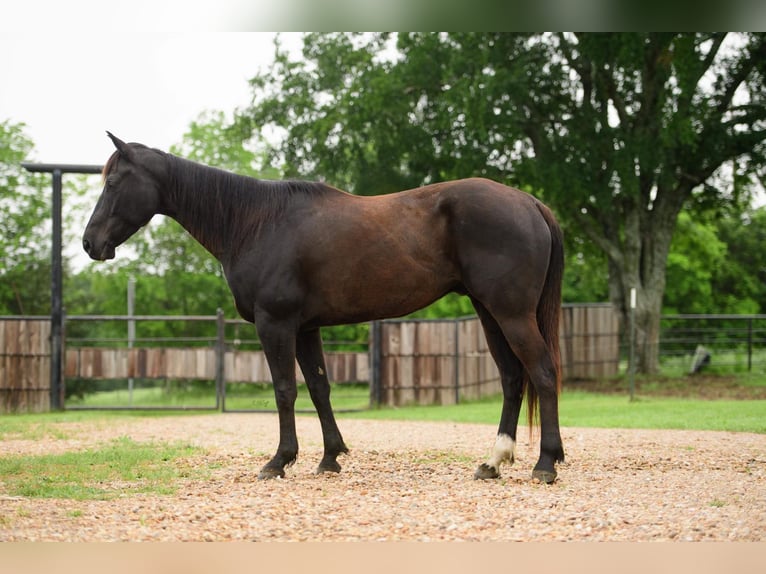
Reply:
x=301, y=255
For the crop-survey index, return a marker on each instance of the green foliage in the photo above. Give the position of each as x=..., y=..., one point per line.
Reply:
x=24, y=239
x=716, y=264
x=344, y=111
x=213, y=140
x=739, y=284
x=452, y=305
x=618, y=132
x=695, y=256
x=586, y=277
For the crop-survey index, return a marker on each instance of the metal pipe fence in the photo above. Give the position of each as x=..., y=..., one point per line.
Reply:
x=732, y=343
x=210, y=362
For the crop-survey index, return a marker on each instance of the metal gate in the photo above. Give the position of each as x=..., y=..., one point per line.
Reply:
x=210, y=363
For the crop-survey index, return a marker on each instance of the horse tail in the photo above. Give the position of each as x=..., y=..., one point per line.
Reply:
x=549, y=309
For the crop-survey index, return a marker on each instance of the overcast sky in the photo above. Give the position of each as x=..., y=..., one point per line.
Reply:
x=69, y=88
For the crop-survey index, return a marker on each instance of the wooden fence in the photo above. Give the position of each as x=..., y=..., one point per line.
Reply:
x=443, y=362
x=426, y=362
x=590, y=341
x=25, y=365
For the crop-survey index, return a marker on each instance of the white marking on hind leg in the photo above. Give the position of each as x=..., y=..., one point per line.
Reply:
x=503, y=451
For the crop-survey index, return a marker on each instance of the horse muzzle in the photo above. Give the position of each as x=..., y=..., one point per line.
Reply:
x=99, y=253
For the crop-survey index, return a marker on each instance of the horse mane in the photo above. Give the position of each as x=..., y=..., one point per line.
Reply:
x=110, y=164
x=223, y=209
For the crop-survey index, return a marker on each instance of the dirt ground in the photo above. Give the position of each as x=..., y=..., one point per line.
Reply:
x=410, y=481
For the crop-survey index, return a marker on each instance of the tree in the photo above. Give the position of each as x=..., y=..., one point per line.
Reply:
x=739, y=282
x=694, y=258
x=25, y=243
x=618, y=132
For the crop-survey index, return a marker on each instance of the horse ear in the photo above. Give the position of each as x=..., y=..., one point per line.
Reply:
x=121, y=146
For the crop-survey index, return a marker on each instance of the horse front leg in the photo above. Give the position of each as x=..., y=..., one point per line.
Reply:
x=279, y=341
x=312, y=363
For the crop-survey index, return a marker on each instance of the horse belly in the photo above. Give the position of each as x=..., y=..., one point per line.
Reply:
x=379, y=283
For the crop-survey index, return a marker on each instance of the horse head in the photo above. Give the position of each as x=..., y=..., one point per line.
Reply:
x=133, y=182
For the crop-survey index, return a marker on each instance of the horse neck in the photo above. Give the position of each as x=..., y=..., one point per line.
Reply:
x=207, y=202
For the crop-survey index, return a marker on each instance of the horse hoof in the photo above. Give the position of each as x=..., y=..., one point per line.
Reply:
x=328, y=466
x=486, y=472
x=544, y=476
x=267, y=473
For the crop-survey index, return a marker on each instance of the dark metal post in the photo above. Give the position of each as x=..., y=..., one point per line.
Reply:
x=220, y=360
x=750, y=344
x=57, y=316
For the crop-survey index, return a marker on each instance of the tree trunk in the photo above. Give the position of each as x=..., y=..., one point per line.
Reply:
x=647, y=326
x=641, y=266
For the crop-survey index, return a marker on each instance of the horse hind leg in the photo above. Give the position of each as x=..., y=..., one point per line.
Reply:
x=312, y=364
x=512, y=381
x=528, y=345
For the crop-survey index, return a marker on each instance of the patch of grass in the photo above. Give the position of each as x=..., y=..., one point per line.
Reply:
x=33, y=426
x=442, y=457
x=120, y=467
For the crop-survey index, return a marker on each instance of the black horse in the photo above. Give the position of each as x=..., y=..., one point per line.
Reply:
x=299, y=255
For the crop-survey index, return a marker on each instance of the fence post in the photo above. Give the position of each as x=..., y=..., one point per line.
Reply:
x=220, y=359
x=131, y=328
x=632, y=367
x=62, y=359
x=457, y=361
x=57, y=314
x=376, y=356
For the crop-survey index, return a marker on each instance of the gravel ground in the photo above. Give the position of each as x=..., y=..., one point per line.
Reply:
x=411, y=481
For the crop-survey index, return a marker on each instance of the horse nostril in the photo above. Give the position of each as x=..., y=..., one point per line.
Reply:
x=86, y=245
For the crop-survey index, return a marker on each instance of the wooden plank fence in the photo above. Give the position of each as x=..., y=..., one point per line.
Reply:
x=590, y=341
x=443, y=362
x=425, y=362
x=25, y=365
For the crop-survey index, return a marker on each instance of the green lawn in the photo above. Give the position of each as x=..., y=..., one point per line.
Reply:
x=584, y=409
x=578, y=408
